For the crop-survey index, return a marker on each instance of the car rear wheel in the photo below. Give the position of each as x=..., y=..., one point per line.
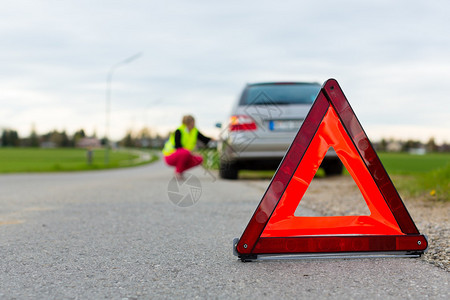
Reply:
x=333, y=167
x=228, y=170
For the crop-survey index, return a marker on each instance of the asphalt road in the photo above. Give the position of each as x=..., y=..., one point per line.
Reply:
x=116, y=235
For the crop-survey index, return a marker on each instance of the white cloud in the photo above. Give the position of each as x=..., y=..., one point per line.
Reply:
x=391, y=59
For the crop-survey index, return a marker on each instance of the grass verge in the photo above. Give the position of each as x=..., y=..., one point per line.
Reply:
x=419, y=175
x=413, y=175
x=433, y=185
x=14, y=160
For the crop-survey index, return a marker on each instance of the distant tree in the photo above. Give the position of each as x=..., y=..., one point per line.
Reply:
x=34, y=139
x=128, y=140
x=4, y=140
x=46, y=136
x=144, y=138
x=411, y=144
x=158, y=141
x=10, y=138
x=15, y=140
x=77, y=136
x=51, y=139
x=431, y=145
x=65, y=141
x=80, y=133
x=145, y=133
x=383, y=145
x=56, y=138
x=445, y=147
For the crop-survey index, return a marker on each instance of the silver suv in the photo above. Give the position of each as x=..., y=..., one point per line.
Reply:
x=262, y=126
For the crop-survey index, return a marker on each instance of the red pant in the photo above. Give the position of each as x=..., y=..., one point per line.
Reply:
x=183, y=160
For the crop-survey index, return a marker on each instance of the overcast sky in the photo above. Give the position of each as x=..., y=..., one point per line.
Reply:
x=391, y=58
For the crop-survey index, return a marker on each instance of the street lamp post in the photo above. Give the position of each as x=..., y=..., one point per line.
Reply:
x=108, y=99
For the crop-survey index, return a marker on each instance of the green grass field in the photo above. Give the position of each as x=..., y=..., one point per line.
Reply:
x=419, y=175
x=413, y=175
x=404, y=163
x=14, y=160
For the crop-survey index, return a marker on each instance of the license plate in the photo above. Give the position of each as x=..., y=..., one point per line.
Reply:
x=284, y=125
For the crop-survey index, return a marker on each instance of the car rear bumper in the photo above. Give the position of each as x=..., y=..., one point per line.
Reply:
x=259, y=151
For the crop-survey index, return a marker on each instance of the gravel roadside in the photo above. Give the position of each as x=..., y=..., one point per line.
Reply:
x=341, y=196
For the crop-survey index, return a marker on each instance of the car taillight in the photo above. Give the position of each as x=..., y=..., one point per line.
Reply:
x=242, y=123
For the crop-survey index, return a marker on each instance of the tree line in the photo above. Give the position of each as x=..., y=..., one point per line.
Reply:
x=60, y=139
x=145, y=139
x=395, y=145
x=142, y=139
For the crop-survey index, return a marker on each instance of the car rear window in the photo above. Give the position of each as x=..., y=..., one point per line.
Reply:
x=299, y=93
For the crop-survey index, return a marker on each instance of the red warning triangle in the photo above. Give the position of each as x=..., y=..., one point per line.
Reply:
x=273, y=228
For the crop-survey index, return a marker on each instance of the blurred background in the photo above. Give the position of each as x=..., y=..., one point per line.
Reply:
x=163, y=60
x=77, y=75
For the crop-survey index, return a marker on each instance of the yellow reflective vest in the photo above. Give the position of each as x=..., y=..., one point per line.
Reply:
x=188, y=140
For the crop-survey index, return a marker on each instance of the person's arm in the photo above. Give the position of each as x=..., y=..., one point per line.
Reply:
x=178, y=139
x=205, y=140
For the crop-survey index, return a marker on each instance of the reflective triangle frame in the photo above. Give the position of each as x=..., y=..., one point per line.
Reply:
x=274, y=230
